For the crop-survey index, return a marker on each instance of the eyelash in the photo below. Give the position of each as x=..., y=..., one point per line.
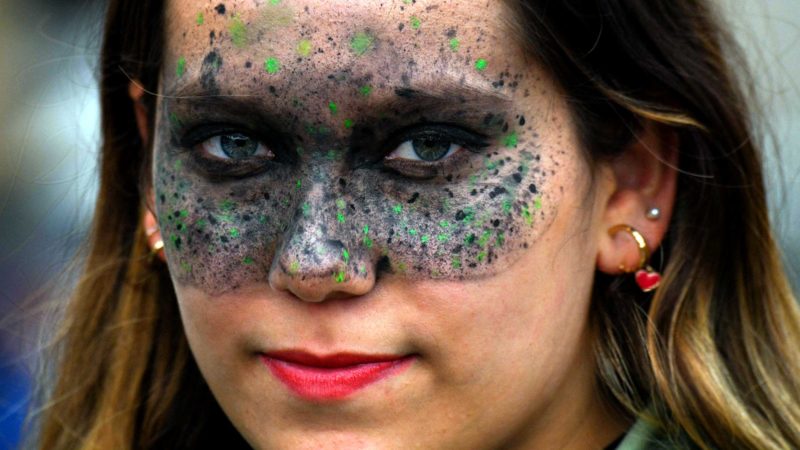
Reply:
x=216, y=165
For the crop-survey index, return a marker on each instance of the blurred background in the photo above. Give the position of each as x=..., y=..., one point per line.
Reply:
x=49, y=118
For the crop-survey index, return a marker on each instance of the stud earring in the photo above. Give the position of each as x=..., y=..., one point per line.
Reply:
x=646, y=277
x=653, y=213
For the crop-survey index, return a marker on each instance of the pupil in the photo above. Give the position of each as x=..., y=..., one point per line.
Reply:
x=238, y=146
x=430, y=149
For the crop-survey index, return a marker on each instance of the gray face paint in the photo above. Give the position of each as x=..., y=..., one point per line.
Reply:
x=307, y=168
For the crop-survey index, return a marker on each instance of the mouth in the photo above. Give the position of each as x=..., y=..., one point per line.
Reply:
x=332, y=377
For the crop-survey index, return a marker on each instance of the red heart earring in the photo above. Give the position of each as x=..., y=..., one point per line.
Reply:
x=646, y=277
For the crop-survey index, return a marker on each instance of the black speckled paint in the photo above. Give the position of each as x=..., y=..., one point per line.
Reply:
x=330, y=204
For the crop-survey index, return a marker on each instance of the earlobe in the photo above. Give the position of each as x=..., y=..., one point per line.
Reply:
x=645, y=179
x=136, y=93
x=153, y=233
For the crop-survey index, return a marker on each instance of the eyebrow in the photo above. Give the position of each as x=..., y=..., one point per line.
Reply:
x=443, y=94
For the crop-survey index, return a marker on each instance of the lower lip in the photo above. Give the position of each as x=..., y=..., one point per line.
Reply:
x=332, y=383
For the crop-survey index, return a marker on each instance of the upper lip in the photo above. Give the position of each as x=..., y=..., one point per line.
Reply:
x=341, y=359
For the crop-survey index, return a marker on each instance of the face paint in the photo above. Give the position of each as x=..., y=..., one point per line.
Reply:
x=333, y=167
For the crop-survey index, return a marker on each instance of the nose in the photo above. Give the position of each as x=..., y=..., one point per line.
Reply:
x=320, y=258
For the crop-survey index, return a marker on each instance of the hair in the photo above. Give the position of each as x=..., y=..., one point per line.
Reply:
x=710, y=359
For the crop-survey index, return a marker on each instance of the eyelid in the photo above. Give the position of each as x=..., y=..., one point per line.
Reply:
x=470, y=140
x=200, y=134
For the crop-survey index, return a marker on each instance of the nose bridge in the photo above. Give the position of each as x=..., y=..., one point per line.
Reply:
x=318, y=258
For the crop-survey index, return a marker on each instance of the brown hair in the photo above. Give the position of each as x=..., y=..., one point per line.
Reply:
x=711, y=359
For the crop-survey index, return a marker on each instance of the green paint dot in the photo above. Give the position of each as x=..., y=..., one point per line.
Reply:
x=274, y=2
x=306, y=209
x=361, y=42
x=340, y=204
x=304, y=47
x=456, y=262
x=500, y=239
x=537, y=203
x=200, y=224
x=401, y=267
x=200, y=19
x=184, y=213
x=348, y=123
x=365, y=90
x=238, y=31
x=181, y=67
x=340, y=217
x=444, y=224
x=225, y=218
x=415, y=22
x=272, y=65
x=294, y=267
x=367, y=242
x=333, y=107
x=366, y=229
x=332, y=155
x=511, y=140
x=481, y=256
x=298, y=184
x=425, y=238
x=234, y=232
x=247, y=260
x=339, y=276
x=469, y=214
x=442, y=237
x=175, y=120
x=507, y=206
x=345, y=256
x=412, y=232
x=226, y=205
x=262, y=218
x=362, y=269
x=490, y=165
x=454, y=44
x=526, y=214
x=469, y=240
x=484, y=239
x=186, y=267
x=398, y=208
x=480, y=64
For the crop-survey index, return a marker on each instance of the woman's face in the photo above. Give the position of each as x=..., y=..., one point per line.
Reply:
x=391, y=190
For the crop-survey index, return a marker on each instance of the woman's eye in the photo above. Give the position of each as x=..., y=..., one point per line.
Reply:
x=235, y=146
x=428, y=149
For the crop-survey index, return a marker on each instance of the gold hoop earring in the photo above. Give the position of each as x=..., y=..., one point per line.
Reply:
x=646, y=277
x=157, y=246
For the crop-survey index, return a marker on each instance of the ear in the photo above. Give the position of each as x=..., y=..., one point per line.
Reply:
x=149, y=221
x=644, y=177
x=136, y=93
x=154, y=239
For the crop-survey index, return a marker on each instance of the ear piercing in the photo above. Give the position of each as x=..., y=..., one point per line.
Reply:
x=653, y=213
x=646, y=277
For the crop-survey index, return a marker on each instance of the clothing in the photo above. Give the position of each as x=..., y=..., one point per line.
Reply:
x=643, y=436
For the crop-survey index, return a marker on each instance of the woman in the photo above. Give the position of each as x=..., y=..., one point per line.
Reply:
x=426, y=224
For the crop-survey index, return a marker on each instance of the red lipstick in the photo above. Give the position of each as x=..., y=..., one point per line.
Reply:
x=331, y=377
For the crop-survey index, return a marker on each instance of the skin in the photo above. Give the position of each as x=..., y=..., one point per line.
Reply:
x=332, y=240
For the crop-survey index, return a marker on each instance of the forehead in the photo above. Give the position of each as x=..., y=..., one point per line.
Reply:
x=403, y=38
